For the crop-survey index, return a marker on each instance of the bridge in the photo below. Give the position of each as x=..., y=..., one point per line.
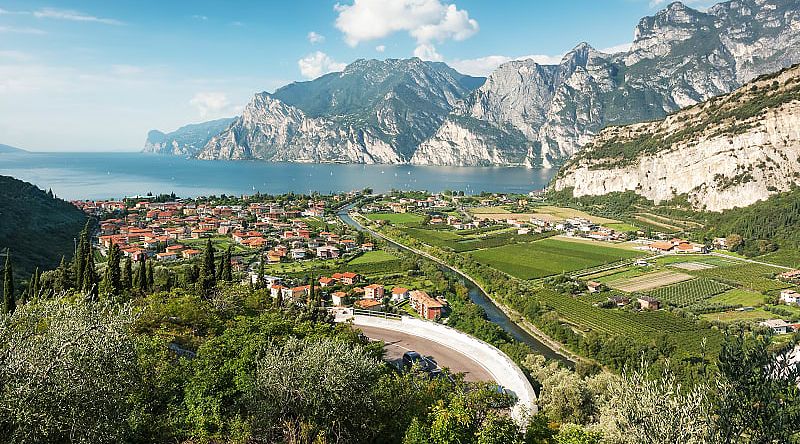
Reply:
x=450, y=347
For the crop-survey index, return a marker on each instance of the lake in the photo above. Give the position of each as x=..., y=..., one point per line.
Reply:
x=116, y=175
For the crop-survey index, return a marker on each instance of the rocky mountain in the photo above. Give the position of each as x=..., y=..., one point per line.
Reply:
x=730, y=151
x=372, y=112
x=679, y=57
x=398, y=111
x=185, y=141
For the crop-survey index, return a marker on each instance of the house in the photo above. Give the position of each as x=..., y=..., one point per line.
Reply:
x=399, y=294
x=661, y=247
x=778, y=326
x=350, y=278
x=619, y=301
x=338, y=298
x=790, y=297
x=298, y=253
x=273, y=257
x=327, y=252
x=367, y=246
x=648, y=303
x=276, y=290
x=594, y=286
x=191, y=253
x=374, y=291
x=368, y=304
x=167, y=256
x=325, y=281
x=425, y=305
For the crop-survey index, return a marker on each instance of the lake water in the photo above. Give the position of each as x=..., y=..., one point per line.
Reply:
x=116, y=175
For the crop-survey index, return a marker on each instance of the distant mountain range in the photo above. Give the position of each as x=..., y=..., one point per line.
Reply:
x=524, y=113
x=729, y=151
x=10, y=149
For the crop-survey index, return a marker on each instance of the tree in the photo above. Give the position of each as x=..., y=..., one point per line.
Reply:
x=9, y=300
x=208, y=277
x=69, y=373
x=113, y=271
x=227, y=267
x=151, y=278
x=758, y=399
x=260, y=279
x=63, y=279
x=90, y=282
x=141, y=275
x=79, y=262
x=127, y=274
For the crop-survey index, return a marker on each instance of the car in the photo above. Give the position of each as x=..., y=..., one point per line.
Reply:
x=412, y=359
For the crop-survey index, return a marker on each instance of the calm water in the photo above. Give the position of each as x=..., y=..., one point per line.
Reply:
x=116, y=175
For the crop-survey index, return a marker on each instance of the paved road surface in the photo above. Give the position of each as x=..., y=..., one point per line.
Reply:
x=398, y=343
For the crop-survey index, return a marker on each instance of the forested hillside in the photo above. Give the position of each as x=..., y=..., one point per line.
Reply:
x=37, y=227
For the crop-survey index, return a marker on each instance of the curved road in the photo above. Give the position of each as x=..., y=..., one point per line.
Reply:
x=398, y=343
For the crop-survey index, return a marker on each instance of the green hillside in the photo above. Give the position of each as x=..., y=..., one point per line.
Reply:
x=37, y=227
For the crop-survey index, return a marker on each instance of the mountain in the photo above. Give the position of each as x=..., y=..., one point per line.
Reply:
x=730, y=151
x=37, y=227
x=185, y=141
x=398, y=111
x=372, y=112
x=10, y=149
x=679, y=57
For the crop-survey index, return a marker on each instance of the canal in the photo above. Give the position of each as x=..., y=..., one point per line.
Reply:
x=493, y=312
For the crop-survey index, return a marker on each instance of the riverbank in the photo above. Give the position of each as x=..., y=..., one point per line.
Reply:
x=513, y=316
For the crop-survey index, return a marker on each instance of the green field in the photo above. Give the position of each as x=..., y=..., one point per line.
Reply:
x=548, y=257
x=752, y=276
x=787, y=257
x=689, y=293
x=622, y=227
x=733, y=316
x=396, y=218
x=372, y=257
x=735, y=296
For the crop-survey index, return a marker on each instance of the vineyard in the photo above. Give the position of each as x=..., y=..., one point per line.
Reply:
x=689, y=293
x=756, y=277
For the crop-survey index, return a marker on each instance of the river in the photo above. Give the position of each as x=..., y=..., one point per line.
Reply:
x=493, y=312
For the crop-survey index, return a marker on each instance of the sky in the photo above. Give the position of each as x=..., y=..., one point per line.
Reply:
x=96, y=75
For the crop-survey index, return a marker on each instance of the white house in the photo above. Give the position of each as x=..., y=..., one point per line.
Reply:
x=778, y=326
x=790, y=297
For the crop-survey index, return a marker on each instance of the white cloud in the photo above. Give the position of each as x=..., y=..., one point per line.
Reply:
x=314, y=37
x=427, y=51
x=212, y=104
x=380, y=48
x=425, y=20
x=15, y=30
x=66, y=14
x=126, y=70
x=622, y=47
x=318, y=63
x=200, y=17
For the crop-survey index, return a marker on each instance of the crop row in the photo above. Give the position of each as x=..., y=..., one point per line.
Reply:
x=688, y=293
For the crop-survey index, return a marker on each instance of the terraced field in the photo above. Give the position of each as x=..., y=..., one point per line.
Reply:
x=548, y=257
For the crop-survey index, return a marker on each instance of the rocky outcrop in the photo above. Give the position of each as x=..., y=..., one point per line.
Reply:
x=679, y=57
x=185, y=141
x=728, y=152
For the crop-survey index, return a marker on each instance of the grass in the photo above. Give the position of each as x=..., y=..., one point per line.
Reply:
x=548, y=257
x=735, y=296
x=396, y=218
x=221, y=243
x=622, y=227
x=372, y=257
x=567, y=213
x=734, y=316
x=488, y=210
x=689, y=293
x=788, y=257
x=752, y=276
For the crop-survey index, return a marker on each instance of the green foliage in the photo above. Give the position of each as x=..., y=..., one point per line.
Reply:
x=689, y=293
x=9, y=296
x=40, y=228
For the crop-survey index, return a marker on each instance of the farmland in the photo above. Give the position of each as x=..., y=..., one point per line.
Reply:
x=737, y=296
x=648, y=281
x=755, y=277
x=548, y=257
x=688, y=293
x=396, y=218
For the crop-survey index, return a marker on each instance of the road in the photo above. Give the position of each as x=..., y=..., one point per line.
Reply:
x=398, y=343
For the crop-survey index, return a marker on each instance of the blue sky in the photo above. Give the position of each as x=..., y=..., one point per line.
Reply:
x=97, y=75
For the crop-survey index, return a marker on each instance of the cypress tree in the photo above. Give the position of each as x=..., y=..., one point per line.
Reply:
x=90, y=282
x=62, y=281
x=208, y=278
x=9, y=302
x=36, y=285
x=260, y=280
x=113, y=272
x=127, y=274
x=84, y=246
x=141, y=275
x=227, y=268
x=151, y=278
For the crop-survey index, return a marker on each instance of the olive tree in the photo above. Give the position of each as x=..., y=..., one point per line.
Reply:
x=318, y=387
x=67, y=370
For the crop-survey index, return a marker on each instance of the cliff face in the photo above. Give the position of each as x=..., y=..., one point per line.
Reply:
x=728, y=152
x=398, y=111
x=185, y=141
x=679, y=57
